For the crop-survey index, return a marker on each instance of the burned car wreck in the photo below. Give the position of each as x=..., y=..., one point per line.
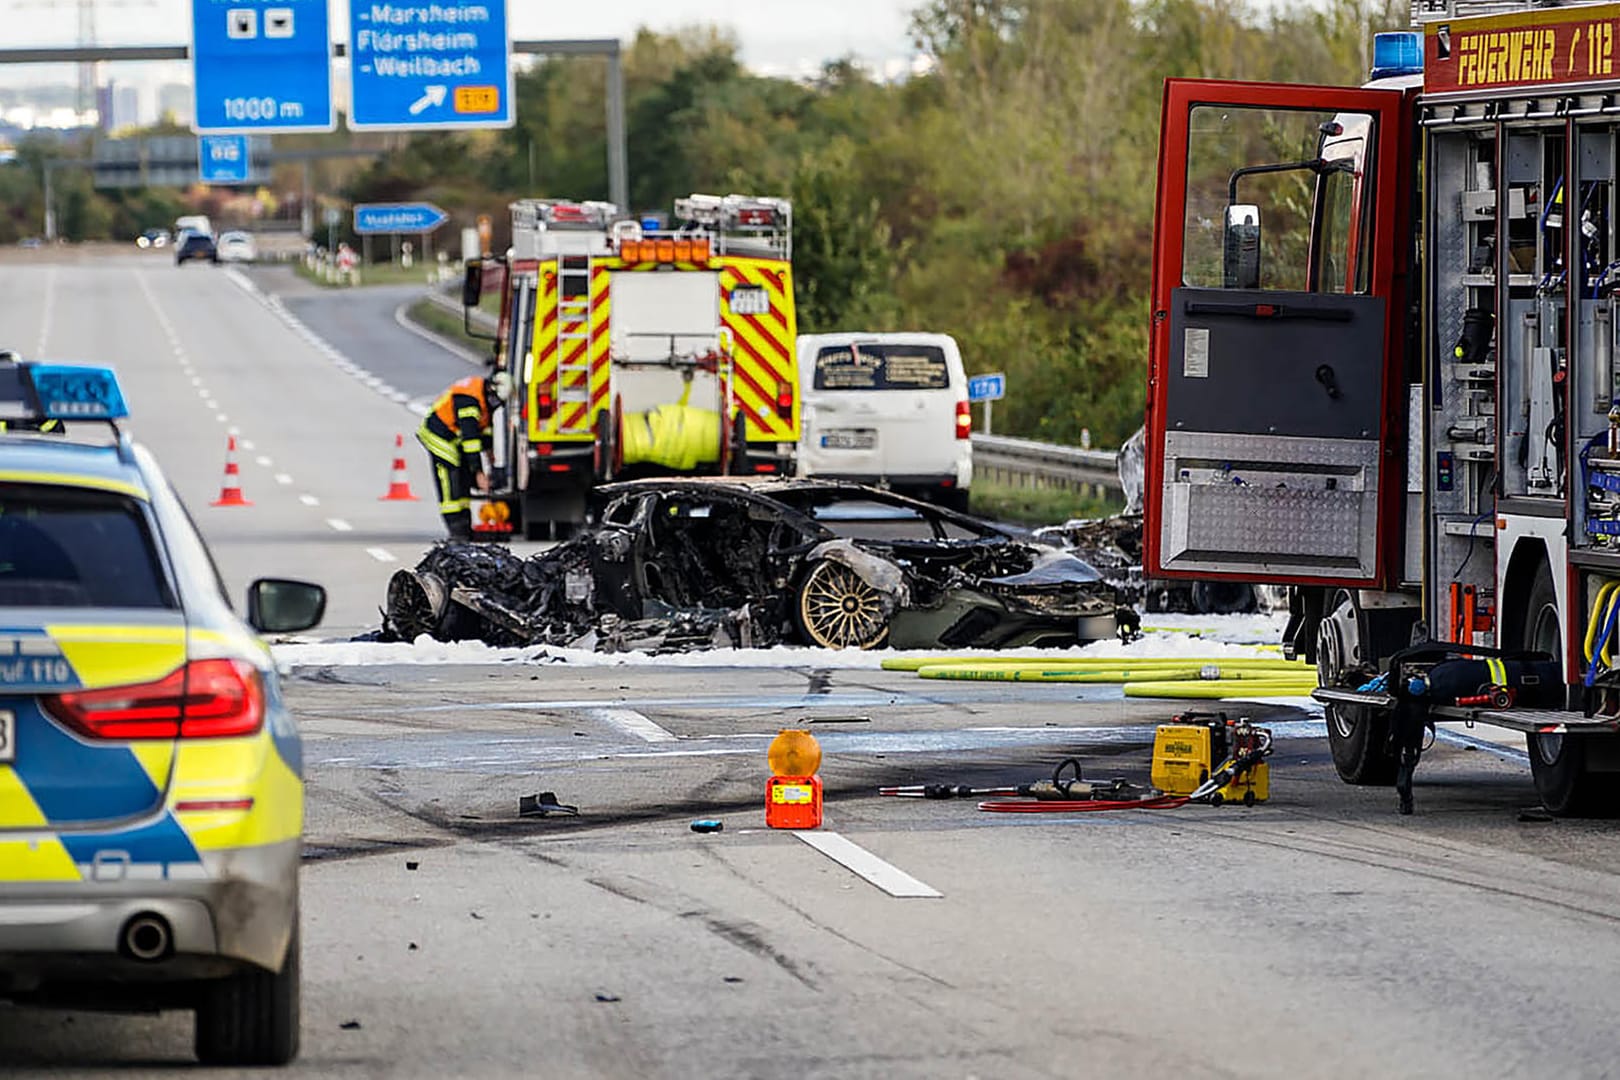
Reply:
x=691, y=563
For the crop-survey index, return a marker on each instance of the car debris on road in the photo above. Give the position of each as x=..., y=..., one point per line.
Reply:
x=696, y=563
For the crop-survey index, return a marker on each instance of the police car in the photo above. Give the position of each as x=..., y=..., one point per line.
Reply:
x=151, y=799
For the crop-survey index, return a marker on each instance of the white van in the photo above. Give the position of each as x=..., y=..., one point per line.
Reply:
x=889, y=410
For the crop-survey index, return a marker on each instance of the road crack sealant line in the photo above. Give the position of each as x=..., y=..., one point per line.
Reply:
x=272, y=303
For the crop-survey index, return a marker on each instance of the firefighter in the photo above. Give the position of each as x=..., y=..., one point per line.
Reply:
x=454, y=434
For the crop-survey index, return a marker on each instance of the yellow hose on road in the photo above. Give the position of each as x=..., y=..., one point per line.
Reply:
x=1121, y=674
x=1239, y=689
x=915, y=663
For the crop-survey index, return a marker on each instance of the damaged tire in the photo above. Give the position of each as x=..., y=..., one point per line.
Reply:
x=837, y=609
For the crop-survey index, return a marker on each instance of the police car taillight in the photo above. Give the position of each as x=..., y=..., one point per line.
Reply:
x=199, y=700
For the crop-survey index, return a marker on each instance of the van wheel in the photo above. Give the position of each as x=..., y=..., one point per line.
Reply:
x=251, y=1018
x=837, y=609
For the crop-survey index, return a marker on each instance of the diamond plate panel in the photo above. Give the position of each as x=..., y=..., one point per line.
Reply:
x=1270, y=506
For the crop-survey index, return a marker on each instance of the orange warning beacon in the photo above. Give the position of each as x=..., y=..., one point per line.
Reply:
x=793, y=794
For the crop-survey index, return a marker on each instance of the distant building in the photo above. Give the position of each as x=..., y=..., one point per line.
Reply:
x=174, y=102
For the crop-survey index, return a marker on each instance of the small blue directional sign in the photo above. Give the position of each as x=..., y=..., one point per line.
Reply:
x=429, y=64
x=398, y=217
x=987, y=387
x=224, y=159
x=261, y=65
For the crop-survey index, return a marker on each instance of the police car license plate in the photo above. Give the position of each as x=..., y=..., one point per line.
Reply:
x=8, y=735
x=849, y=439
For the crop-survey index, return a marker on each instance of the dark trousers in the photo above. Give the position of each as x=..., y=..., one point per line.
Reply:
x=453, y=484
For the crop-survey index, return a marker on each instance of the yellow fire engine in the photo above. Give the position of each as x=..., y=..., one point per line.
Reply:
x=643, y=346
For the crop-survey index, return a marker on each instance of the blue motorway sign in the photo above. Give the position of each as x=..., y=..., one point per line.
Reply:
x=429, y=64
x=397, y=217
x=261, y=65
x=987, y=387
x=224, y=159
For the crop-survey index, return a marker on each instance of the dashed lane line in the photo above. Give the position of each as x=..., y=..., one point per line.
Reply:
x=381, y=554
x=340, y=525
x=886, y=876
x=309, y=500
x=45, y=310
x=283, y=478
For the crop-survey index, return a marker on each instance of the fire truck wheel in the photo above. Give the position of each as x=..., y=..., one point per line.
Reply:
x=1562, y=765
x=838, y=610
x=1357, y=736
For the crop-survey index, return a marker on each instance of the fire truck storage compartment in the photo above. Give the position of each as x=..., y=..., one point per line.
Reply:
x=1594, y=390
x=1461, y=414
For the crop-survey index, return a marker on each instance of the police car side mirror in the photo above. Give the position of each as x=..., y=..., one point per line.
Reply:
x=278, y=606
x=472, y=286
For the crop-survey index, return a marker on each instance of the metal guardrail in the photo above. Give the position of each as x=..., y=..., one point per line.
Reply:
x=1027, y=463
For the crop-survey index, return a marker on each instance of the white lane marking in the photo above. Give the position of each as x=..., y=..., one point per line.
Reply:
x=891, y=879
x=222, y=418
x=247, y=444
x=340, y=525
x=381, y=554
x=457, y=351
x=196, y=380
x=283, y=478
x=45, y=312
x=309, y=500
x=632, y=723
x=264, y=461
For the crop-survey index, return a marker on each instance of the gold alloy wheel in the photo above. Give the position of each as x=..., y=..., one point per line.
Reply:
x=838, y=610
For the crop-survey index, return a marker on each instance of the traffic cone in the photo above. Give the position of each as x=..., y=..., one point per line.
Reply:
x=399, y=485
x=230, y=492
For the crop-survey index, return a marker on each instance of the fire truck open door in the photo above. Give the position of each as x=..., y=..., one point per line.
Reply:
x=1270, y=398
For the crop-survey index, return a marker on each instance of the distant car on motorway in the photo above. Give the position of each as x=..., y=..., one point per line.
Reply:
x=152, y=238
x=195, y=245
x=889, y=410
x=236, y=246
x=151, y=827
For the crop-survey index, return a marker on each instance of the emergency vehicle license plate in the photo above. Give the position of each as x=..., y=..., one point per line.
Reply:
x=849, y=439
x=8, y=736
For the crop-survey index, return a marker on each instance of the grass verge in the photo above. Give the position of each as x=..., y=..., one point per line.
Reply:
x=436, y=320
x=378, y=274
x=1035, y=506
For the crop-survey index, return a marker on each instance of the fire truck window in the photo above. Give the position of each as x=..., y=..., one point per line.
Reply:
x=1268, y=156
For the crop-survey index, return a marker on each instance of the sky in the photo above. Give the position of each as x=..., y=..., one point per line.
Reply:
x=777, y=36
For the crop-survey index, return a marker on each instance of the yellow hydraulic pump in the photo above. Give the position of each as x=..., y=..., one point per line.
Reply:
x=1193, y=745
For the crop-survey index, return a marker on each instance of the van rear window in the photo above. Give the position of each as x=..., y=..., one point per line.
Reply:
x=882, y=367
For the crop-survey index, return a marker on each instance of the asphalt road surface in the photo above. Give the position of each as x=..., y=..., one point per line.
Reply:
x=1317, y=935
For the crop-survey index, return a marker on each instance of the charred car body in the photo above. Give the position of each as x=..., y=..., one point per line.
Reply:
x=690, y=562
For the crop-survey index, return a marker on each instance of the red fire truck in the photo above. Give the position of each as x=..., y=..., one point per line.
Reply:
x=1383, y=374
